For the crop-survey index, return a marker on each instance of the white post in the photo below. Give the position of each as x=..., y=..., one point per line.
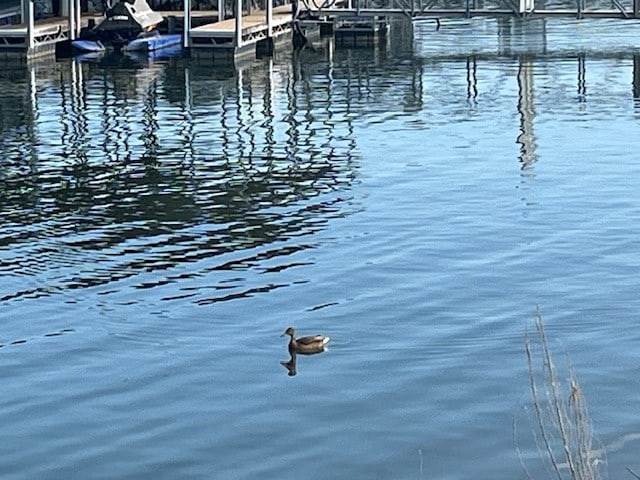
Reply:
x=186, y=41
x=269, y=18
x=78, y=20
x=526, y=6
x=220, y=10
x=72, y=19
x=30, y=25
x=238, y=23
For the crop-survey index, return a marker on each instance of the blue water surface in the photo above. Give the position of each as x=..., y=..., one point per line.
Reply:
x=420, y=201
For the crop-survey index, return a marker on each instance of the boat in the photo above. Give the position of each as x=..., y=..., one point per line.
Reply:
x=152, y=43
x=128, y=24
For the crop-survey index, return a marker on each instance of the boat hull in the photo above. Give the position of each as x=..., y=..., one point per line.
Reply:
x=152, y=43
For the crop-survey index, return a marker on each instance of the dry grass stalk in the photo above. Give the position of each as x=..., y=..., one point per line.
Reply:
x=563, y=421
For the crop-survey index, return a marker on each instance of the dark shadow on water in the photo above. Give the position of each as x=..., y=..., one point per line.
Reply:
x=23, y=341
x=292, y=364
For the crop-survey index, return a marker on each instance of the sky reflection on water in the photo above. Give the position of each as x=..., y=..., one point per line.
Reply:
x=164, y=221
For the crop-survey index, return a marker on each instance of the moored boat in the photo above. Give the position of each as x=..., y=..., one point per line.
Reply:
x=125, y=22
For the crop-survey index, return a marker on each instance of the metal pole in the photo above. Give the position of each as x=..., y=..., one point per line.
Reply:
x=78, y=19
x=187, y=24
x=270, y=18
x=238, y=23
x=220, y=10
x=72, y=19
x=30, y=26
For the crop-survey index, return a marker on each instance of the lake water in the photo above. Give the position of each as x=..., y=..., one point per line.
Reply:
x=163, y=222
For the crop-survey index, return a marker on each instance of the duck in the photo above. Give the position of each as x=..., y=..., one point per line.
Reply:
x=311, y=344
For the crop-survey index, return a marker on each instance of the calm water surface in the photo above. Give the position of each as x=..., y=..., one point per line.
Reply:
x=162, y=222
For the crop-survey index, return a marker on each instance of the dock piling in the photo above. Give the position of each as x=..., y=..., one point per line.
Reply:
x=30, y=25
x=238, y=14
x=187, y=24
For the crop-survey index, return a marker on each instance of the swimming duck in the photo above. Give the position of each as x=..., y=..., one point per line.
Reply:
x=312, y=344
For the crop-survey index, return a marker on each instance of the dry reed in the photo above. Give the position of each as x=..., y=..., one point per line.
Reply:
x=561, y=417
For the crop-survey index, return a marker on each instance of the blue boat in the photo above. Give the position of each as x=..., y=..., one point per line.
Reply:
x=152, y=43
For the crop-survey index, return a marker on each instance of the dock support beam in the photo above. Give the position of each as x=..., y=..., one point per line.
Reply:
x=526, y=6
x=238, y=14
x=187, y=24
x=73, y=19
x=30, y=26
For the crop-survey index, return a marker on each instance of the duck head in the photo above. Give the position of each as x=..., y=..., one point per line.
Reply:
x=289, y=331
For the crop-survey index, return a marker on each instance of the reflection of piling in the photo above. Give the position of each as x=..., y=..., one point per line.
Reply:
x=582, y=83
x=526, y=109
x=636, y=76
x=472, y=77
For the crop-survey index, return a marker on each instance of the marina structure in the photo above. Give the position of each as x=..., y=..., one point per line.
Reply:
x=222, y=32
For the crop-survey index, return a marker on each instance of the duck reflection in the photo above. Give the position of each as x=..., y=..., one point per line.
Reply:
x=290, y=365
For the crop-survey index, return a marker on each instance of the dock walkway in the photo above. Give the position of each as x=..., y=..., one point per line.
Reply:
x=257, y=31
x=22, y=40
x=256, y=27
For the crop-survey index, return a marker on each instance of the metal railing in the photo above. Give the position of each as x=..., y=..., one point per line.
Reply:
x=470, y=8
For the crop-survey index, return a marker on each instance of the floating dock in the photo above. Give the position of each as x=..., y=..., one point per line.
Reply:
x=36, y=39
x=256, y=32
x=215, y=35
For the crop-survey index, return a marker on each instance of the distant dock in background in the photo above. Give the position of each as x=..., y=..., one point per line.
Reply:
x=220, y=34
